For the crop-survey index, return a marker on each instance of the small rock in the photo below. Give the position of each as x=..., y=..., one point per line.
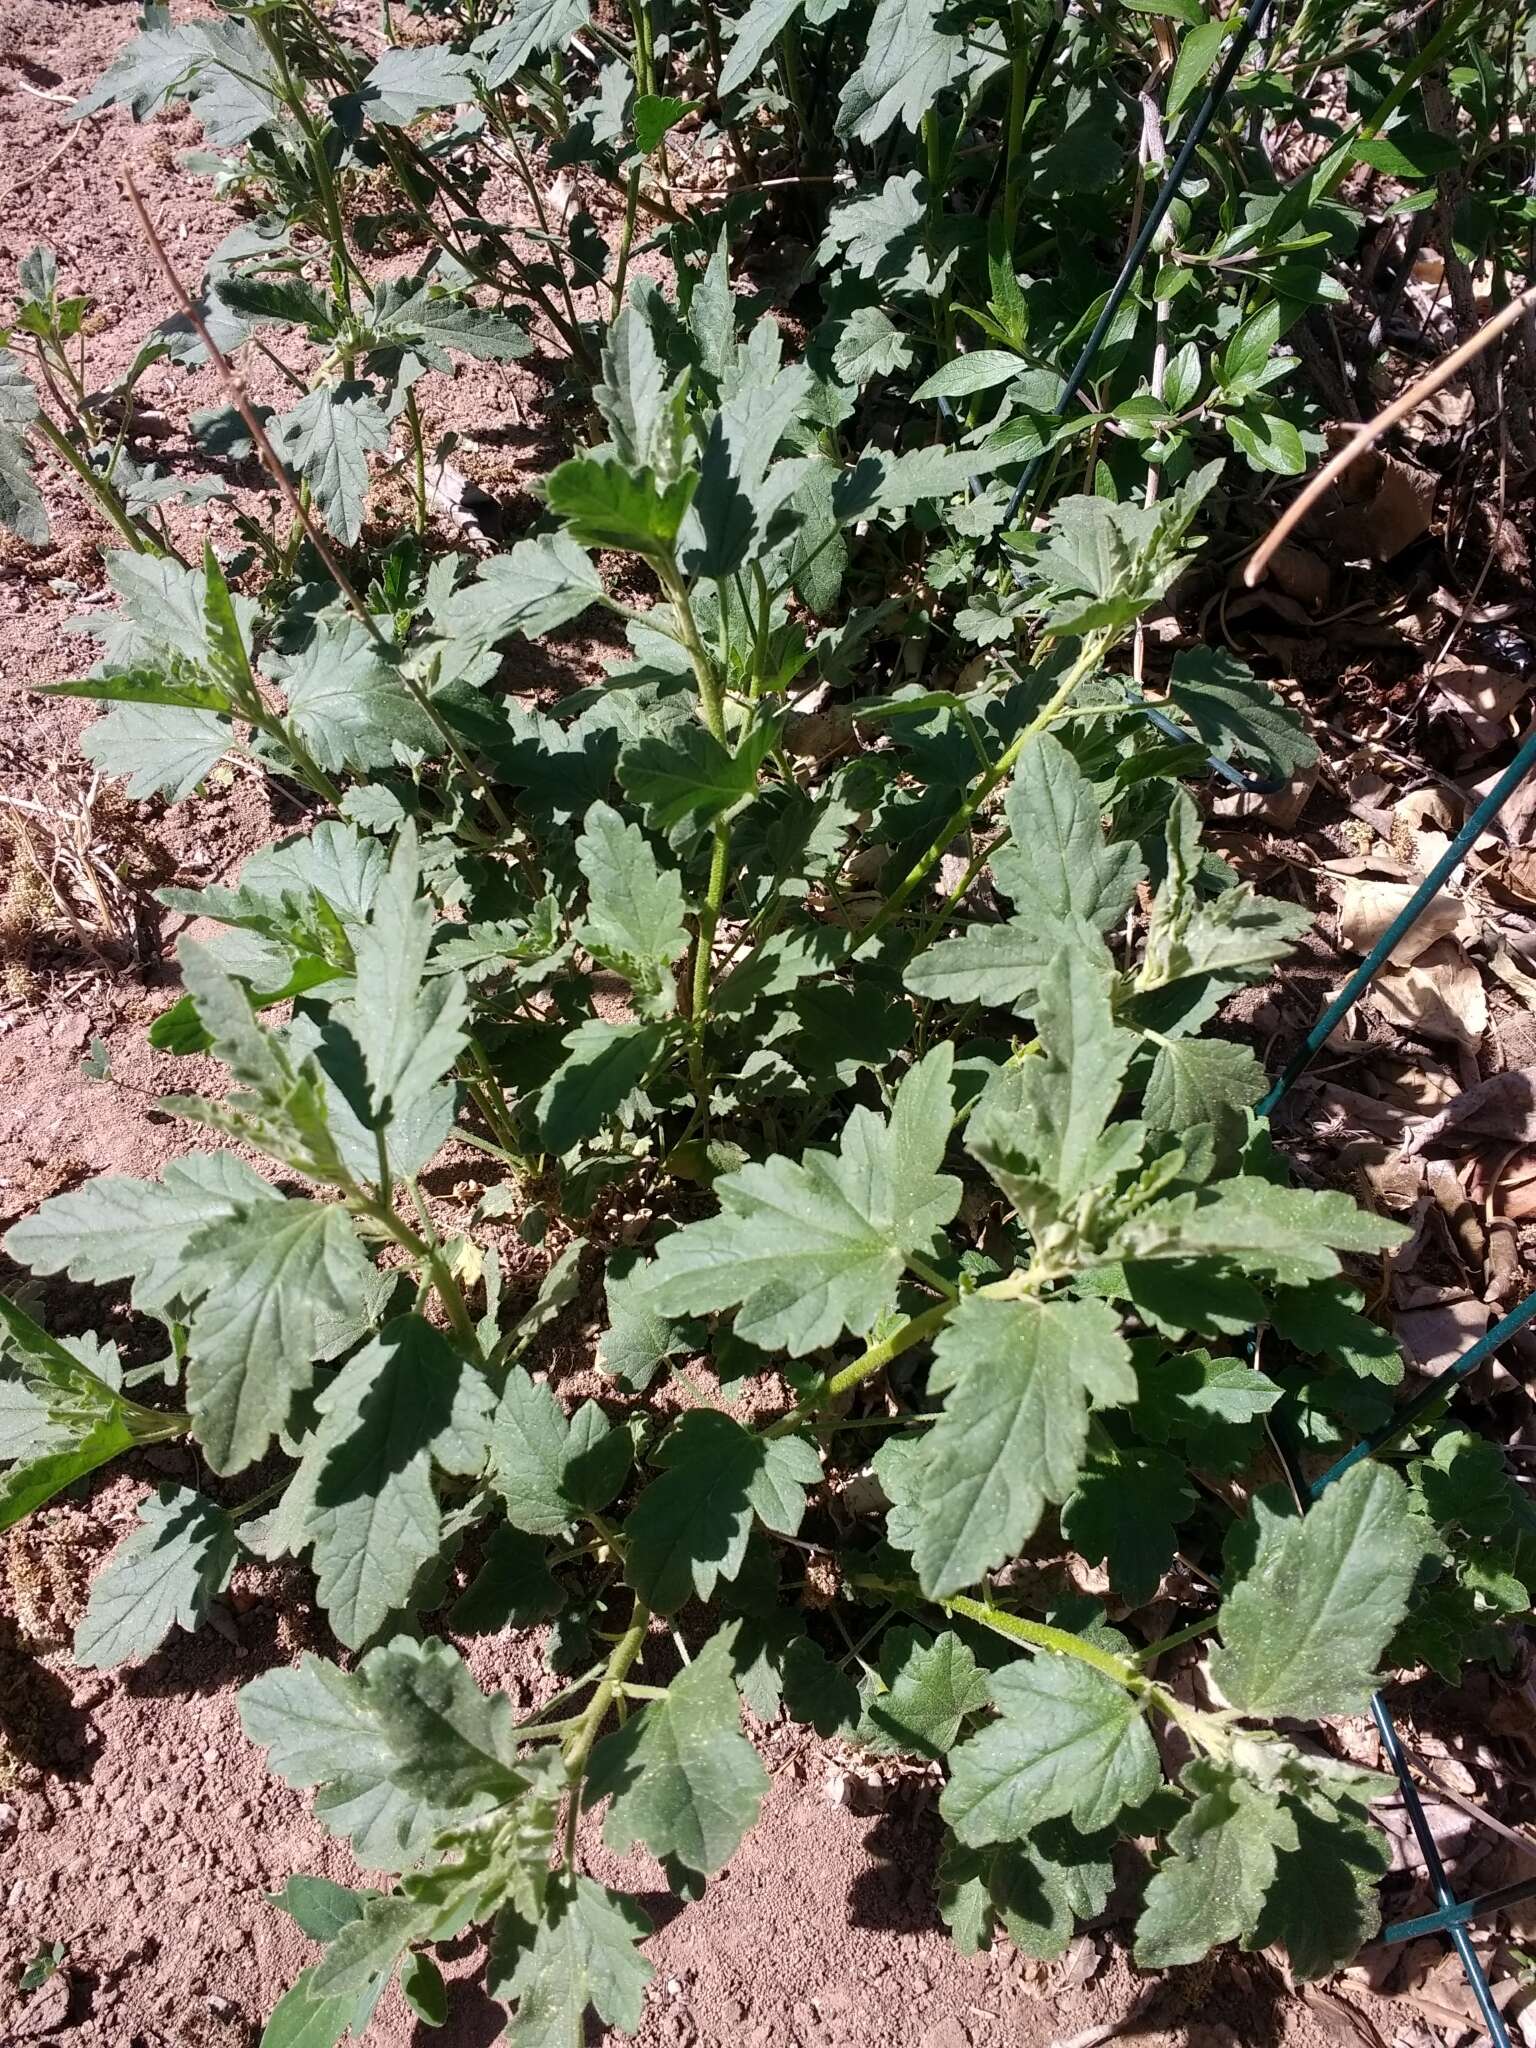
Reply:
x=42, y=2011
x=947, y=2034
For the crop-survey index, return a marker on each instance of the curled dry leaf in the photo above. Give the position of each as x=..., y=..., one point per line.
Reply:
x=1439, y=995
x=1501, y=1110
x=1436, y=1337
x=1367, y=907
x=1280, y=808
x=1483, y=698
x=1380, y=504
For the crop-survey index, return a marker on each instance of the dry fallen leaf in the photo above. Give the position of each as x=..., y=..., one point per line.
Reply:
x=1301, y=575
x=1440, y=995
x=1502, y=1108
x=1436, y=1337
x=1278, y=808
x=1368, y=906
x=1381, y=504
x=1516, y=874
x=1484, y=699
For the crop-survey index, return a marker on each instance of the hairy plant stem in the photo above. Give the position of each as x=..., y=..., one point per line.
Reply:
x=419, y=460
x=450, y=739
x=101, y=491
x=626, y=242
x=252, y=419
x=309, y=768
x=874, y=1360
x=579, y=1748
x=342, y=266
x=430, y=1256
x=1018, y=81
x=712, y=705
x=490, y=1098
x=644, y=54
x=1042, y=1637
x=927, y=1271
x=1209, y=1732
x=1091, y=653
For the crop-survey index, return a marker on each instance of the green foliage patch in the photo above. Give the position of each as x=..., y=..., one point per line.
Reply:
x=835, y=986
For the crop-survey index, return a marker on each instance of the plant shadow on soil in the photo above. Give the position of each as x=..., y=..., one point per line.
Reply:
x=898, y=1894
x=39, y=1723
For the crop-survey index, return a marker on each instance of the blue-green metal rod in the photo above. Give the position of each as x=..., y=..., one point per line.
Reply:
x=1445, y=1918
x=1403, y=923
x=1424, y=1834
x=1436, y=1390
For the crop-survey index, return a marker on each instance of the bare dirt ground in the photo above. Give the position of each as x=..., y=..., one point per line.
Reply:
x=138, y=1828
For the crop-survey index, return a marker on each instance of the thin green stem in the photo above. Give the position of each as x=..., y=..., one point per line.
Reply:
x=343, y=268
x=103, y=492
x=309, y=768
x=626, y=243
x=1089, y=656
x=1018, y=30
x=419, y=458
x=625, y=1651
x=1208, y=1731
x=875, y=1359
x=709, y=919
x=1040, y=1636
x=1195, y=1630
x=430, y=1256
x=926, y=1270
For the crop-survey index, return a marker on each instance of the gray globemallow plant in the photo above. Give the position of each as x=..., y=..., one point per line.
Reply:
x=839, y=979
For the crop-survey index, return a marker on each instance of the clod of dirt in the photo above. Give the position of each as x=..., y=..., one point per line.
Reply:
x=43, y=2011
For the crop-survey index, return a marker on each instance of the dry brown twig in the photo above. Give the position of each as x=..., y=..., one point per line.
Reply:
x=1389, y=417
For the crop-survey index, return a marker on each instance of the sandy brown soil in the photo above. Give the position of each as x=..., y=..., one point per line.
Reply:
x=137, y=1826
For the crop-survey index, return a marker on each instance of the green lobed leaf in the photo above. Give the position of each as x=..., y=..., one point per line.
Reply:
x=1234, y=712
x=1067, y=1742
x=756, y=32
x=536, y=587
x=21, y=505
x=908, y=60
x=1292, y=1234
x=1018, y=1379
x=605, y=505
x=275, y=1280
x=410, y=1026
x=363, y=1499
x=582, y=1953
x=681, y=1776
x=1304, y=1628
x=603, y=1066
x=689, y=1529
x=810, y=1249
x=634, y=919
x=690, y=776
x=115, y=1228
x=326, y=439
x=349, y=705
x=547, y=1469
x=925, y=1689
x=163, y=1576
x=398, y=1748
x=1211, y=1886
x=413, y=80
x=161, y=749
